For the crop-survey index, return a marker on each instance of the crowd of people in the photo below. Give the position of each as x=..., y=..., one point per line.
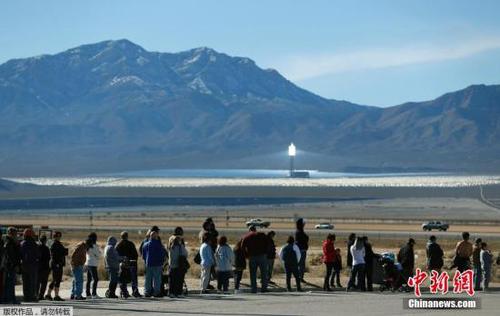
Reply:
x=256, y=250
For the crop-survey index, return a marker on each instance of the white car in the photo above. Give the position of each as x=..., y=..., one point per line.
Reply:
x=324, y=226
x=257, y=222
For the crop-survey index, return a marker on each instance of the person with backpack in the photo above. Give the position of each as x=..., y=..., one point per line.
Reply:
x=43, y=267
x=128, y=273
x=11, y=265
x=240, y=264
x=224, y=260
x=112, y=264
x=329, y=257
x=255, y=245
x=58, y=255
x=290, y=256
x=30, y=257
x=207, y=261
x=434, y=255
x=77, y=262
x=93, y=257
x=154, y=255
x=178, y=266
x=302, y=241
x=357, y=277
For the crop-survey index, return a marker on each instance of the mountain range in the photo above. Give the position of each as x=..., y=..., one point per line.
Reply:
x=114, y=106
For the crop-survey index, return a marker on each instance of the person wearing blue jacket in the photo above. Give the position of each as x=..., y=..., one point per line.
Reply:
x=154, y=255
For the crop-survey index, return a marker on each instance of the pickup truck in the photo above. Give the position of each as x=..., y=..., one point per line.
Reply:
x=435, y=225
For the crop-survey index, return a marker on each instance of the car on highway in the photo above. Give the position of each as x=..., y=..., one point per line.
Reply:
x=257, y=222
x=428, y=226
x=324, y=226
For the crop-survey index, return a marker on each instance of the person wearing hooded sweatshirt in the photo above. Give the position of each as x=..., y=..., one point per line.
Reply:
x=329, y=257
x=302, y=241
x=154, y=255
x=112, y=264
x=11, y=265
x=486, y=258
x=290, y=256
x=224, y=260
x=434, y=255
x=177, y=259
x=30, y=256
x=43, y=267
x=476, y=263
x=58, y=255
x=77, y=262
x=93, y=257
x=358, y=266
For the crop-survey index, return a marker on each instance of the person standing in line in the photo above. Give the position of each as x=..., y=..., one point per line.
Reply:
x=369, y=257
x=337, y=267
x=329, y=257
x=209, y=228
x=350, y=241
x=207, y=262
x=11, y=265
x=30, y=257
x=358, y=266
x=126, y=249
x=406, y=257
x=58, y=255
x=476, y=263
x=154, y=255
x=224, y=260
x=93, y=257
x=271, y=256
x=240, y=264
x=255, y=245
x=112, y=264
x=463, y=251
x=290, y=256
x=178, y=266
x=486, y=258
x=302, y=241
x=77, y=262
x=43, y=267
x=434, y=255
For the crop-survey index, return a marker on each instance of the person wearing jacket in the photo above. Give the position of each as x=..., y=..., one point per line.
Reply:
x=486, y=258
x=290, y=256
x=302, y=241
x=271, y=256
x=177, y=259
x=337, y=267
x=329, y=258
x=43, y=267
x=93, y=257
x=77, y=262
x=240, y=264
x=207, y=261
x=224, y=260
x=58, y=260
x=255, y=245
x=126, y=249
x=30, y=256
x=358, y=266
x=11, y=265
x=369, y=257
x=406, y=257
x=154, y=255
x=476, y=263
x=350, y=241
x=112, y=264
x=434, y=255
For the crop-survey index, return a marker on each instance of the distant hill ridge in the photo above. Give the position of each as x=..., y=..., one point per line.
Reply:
x=115, y=106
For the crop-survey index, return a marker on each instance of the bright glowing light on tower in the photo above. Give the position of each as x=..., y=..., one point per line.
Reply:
x=292, y=151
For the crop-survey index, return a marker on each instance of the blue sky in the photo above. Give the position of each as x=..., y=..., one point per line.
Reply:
x=369, y=52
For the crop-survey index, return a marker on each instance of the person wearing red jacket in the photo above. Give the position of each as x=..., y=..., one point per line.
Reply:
x=329, y=257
